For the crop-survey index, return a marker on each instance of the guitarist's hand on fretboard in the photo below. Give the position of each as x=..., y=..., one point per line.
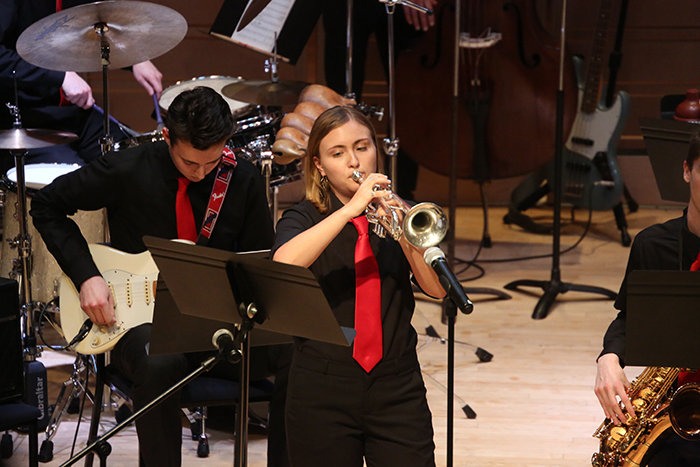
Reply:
x=96, y=301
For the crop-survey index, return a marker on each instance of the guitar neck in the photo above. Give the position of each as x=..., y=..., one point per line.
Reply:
x=591, y=90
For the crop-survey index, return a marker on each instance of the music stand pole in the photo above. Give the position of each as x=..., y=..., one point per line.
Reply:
x=555, y=286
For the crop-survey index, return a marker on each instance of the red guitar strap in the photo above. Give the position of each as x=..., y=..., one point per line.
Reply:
x=224, y=173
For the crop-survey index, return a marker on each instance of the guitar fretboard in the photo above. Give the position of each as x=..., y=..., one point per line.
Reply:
x=595, y=63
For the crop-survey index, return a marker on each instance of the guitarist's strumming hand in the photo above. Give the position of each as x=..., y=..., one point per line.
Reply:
x=96, y=301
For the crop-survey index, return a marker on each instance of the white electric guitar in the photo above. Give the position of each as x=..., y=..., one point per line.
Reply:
x=132, y=280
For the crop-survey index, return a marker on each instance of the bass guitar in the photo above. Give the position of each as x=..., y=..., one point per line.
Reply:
x=591, y=174
x=132, y=281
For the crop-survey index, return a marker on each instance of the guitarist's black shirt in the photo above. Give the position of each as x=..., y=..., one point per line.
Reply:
x=138, y=187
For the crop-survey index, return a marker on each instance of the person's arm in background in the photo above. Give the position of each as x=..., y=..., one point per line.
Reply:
x=418, y=19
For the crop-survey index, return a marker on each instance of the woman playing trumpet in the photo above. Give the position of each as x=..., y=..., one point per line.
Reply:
x=366, y=401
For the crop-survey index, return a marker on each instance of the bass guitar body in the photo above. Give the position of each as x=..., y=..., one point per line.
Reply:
x=132, y=281
x=591, y=175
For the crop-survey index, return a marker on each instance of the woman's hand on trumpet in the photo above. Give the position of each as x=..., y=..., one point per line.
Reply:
x=367, y=192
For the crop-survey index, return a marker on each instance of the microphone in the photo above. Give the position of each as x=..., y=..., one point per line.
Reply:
x=224, y=341
x=435, y=258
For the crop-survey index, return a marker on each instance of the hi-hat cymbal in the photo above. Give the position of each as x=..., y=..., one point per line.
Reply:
x=22, y=138
x=265, y=92
x=135, y=31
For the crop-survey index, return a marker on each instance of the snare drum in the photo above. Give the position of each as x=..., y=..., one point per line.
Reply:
x=216, y=83
x=45, y=272
x=145, y=138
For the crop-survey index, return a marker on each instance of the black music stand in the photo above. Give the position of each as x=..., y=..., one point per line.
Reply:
x=663, y=311
x=235, y=289
x=667, y=143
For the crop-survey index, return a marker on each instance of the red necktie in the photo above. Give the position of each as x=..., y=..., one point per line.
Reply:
x=686, y=377
x=368, y=300
x=185, y=218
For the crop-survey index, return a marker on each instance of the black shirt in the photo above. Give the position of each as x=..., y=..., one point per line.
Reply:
x=138, y=187
x=335, y=271
x=37, y=86
x=657, y=248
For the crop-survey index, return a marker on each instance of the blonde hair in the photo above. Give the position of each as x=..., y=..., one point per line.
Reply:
x=318, y=190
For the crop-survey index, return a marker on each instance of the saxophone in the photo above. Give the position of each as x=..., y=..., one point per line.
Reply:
x=657, y=408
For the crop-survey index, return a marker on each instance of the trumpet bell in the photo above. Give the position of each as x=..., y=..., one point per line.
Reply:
x=425, y=225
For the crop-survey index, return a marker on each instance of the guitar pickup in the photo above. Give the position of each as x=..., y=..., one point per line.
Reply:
x=582, y=141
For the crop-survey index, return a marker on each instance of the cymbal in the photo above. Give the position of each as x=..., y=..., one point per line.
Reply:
x=22, y=138
x=265, y=92
x=135, y=31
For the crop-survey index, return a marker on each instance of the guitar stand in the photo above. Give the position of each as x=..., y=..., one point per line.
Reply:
x=531, y=190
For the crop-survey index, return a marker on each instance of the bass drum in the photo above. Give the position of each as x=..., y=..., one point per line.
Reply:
x=44, y=271
x=215, y=82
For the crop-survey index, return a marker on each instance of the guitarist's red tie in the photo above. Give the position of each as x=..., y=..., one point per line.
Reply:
x=685, y=377
x=186, y=229
x=367, y=348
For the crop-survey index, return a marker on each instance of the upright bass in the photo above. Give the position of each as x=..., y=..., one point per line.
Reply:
x=508, y=84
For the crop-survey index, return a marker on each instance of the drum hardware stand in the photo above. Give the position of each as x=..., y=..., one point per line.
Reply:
x=77, y=383
x=21, y=268
x=555, y=286
x=391, y=144
x=106, y=142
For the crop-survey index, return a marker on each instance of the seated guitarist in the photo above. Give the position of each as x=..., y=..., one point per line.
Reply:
x=146, y=191
x=673, y=245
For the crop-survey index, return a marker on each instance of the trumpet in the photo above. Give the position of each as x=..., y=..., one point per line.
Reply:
x=423, y=225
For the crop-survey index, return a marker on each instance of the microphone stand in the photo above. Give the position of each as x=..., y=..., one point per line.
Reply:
x=102, y=448
x=554, y=286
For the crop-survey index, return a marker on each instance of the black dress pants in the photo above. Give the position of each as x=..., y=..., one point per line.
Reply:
x=674, y=451
x=338, y=415
x=160, y=430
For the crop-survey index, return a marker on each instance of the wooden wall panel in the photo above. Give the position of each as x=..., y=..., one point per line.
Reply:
x=661, y=55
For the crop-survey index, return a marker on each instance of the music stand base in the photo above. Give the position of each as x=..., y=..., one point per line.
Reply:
x=551, y=289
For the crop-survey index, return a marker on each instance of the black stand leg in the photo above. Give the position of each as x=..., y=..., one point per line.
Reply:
x=621, y=222
x=632, y=204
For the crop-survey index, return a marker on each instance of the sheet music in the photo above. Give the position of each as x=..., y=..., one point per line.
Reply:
x=260, y=32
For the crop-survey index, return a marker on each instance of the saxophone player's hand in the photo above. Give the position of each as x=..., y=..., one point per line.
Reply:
x=611, y=383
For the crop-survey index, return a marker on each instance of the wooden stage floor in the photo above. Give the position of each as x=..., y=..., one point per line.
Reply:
x=534, y=401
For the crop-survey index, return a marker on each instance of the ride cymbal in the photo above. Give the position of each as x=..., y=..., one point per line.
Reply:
x=265, y=93
x=69, y=40
x=22, y=138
